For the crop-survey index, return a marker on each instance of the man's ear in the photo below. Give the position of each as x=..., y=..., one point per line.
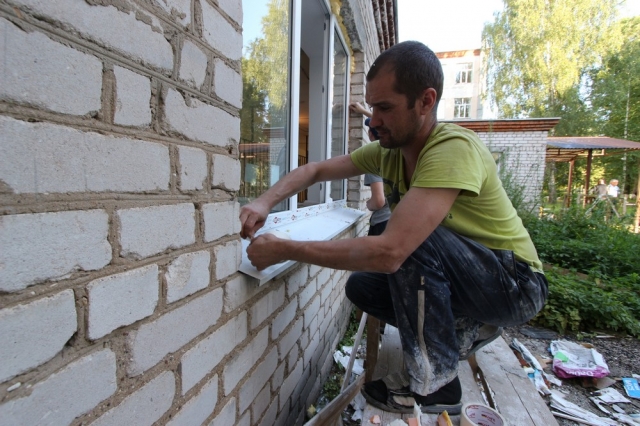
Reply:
x=428, y=101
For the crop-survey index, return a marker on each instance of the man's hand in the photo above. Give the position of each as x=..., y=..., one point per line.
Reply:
x=252, y=218
x=265, y=250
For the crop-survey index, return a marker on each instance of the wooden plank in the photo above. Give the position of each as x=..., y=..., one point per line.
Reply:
x=390, y=355
x=516, y=397
x=373, y=340
x=330, y=413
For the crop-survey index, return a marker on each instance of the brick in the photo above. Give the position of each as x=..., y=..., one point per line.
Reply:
x=307, y=293
x=197, y=409
x=232, y=8
x=244, y=420
x=133, y=96
x=239, y=290
x=257, y=380
x=35, y=332
x=66, y=394
x=121, y=299
x=297, y=280
x=144, y=406
x=266, y=306
x=177, y=8
x=220, y=34
x=200, y=121
x=187, y=274
x=74, y=80
x=146, y=231
x=220, y=219
x=153, y=340
x=311, y=311
x=198, y=361
x=228, y=257
x=227, y=83
x=226, y=173
x=278, y=377
x=261, y=402
x=43, y=246
x=324, y=276
x=226, y=416
x=193, y=168
x=244, y=360
x=290, y=339
x=289, y=385
x=111, y=28
x=284, y=318
x=193, y=64
x=48, y=158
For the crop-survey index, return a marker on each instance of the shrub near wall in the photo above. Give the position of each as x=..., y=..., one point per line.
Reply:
x=120, y=300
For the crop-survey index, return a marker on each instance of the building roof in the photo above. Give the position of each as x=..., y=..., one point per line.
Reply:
x=508, y=125
x=563, y=149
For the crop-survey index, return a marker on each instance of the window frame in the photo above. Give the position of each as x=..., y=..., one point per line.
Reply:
x=457, y=107
x=466, y=69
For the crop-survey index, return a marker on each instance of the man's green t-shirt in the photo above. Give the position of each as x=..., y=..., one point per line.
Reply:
x=454, y=157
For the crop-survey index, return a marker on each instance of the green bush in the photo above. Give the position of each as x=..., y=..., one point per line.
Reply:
x=577, y=303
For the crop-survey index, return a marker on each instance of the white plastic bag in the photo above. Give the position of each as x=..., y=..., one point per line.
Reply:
x=574, y=360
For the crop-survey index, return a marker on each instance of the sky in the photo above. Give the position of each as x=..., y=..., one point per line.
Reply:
x=446, y=25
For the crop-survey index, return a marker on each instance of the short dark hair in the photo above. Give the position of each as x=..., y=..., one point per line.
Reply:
x=416, y=68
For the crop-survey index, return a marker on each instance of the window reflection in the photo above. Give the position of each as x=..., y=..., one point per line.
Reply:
x=338, y=119
x=264, y=136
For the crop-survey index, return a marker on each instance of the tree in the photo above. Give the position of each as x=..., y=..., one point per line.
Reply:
x=536, y=51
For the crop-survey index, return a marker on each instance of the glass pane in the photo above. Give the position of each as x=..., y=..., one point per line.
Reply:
x=264, y=117
x=338, y=110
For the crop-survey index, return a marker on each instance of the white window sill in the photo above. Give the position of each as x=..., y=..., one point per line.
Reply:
x=316, y=223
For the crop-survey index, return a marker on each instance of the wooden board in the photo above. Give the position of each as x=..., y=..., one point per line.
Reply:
x=516, y=397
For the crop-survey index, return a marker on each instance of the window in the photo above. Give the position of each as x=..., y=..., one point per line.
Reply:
x=295, y=71
x=464, y=73
x=462, y=108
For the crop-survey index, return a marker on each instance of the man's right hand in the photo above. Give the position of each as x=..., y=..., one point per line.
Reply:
x=252, y=218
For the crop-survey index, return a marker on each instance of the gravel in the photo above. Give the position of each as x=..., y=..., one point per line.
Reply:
x=622, y=355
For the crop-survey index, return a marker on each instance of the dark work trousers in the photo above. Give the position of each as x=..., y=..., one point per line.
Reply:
x=440, y=295
x=377, y=229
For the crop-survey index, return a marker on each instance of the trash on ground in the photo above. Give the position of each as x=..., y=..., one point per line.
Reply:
x=573, y=411
x=610, y=396
x=343, y=359
x=375, y=419
x=574, y=360
x=631, y=386
x=444, y=419
x=358, y=404
x=598, y=403
x=535, y=371
x=398, y=422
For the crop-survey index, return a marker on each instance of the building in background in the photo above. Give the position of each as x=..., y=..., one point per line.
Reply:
x=464, y=86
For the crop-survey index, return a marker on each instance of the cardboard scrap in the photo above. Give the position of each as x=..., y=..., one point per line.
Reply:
x=631, y=387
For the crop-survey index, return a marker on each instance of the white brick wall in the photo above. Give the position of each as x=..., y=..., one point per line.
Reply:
x=34, y=333
x=151, y=230
x=226, y=172
x=228, y=257
x=220, y=219
x=198, y=408
x=201, y=122
x=46, y=158
x=231, y=93
x=267, y=305
x=187, y=274
x=91, y=329
x=193, y=64
x=144, y=406
x=121, y=299
x=153, y=340
x=244, y=360
x=74, y=79
x=206, y=355
x=66, y=394
x=289, y=385
x=193, y=168
x=44, y=246
x=110, y=28
x=218, y=32
x=133, y=97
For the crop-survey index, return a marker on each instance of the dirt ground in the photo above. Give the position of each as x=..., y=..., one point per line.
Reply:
x=622, y=355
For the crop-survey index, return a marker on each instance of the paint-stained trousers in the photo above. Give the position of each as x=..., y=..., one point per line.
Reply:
x=441, y=294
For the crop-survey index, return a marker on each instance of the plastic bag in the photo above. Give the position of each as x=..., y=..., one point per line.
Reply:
x=574, y=360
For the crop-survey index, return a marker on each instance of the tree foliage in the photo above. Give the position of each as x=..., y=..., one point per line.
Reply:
x=537, y=50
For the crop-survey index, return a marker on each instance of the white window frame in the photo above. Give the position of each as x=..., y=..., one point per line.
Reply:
x=464, y=73
x=329, y=218
x=458, y=107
